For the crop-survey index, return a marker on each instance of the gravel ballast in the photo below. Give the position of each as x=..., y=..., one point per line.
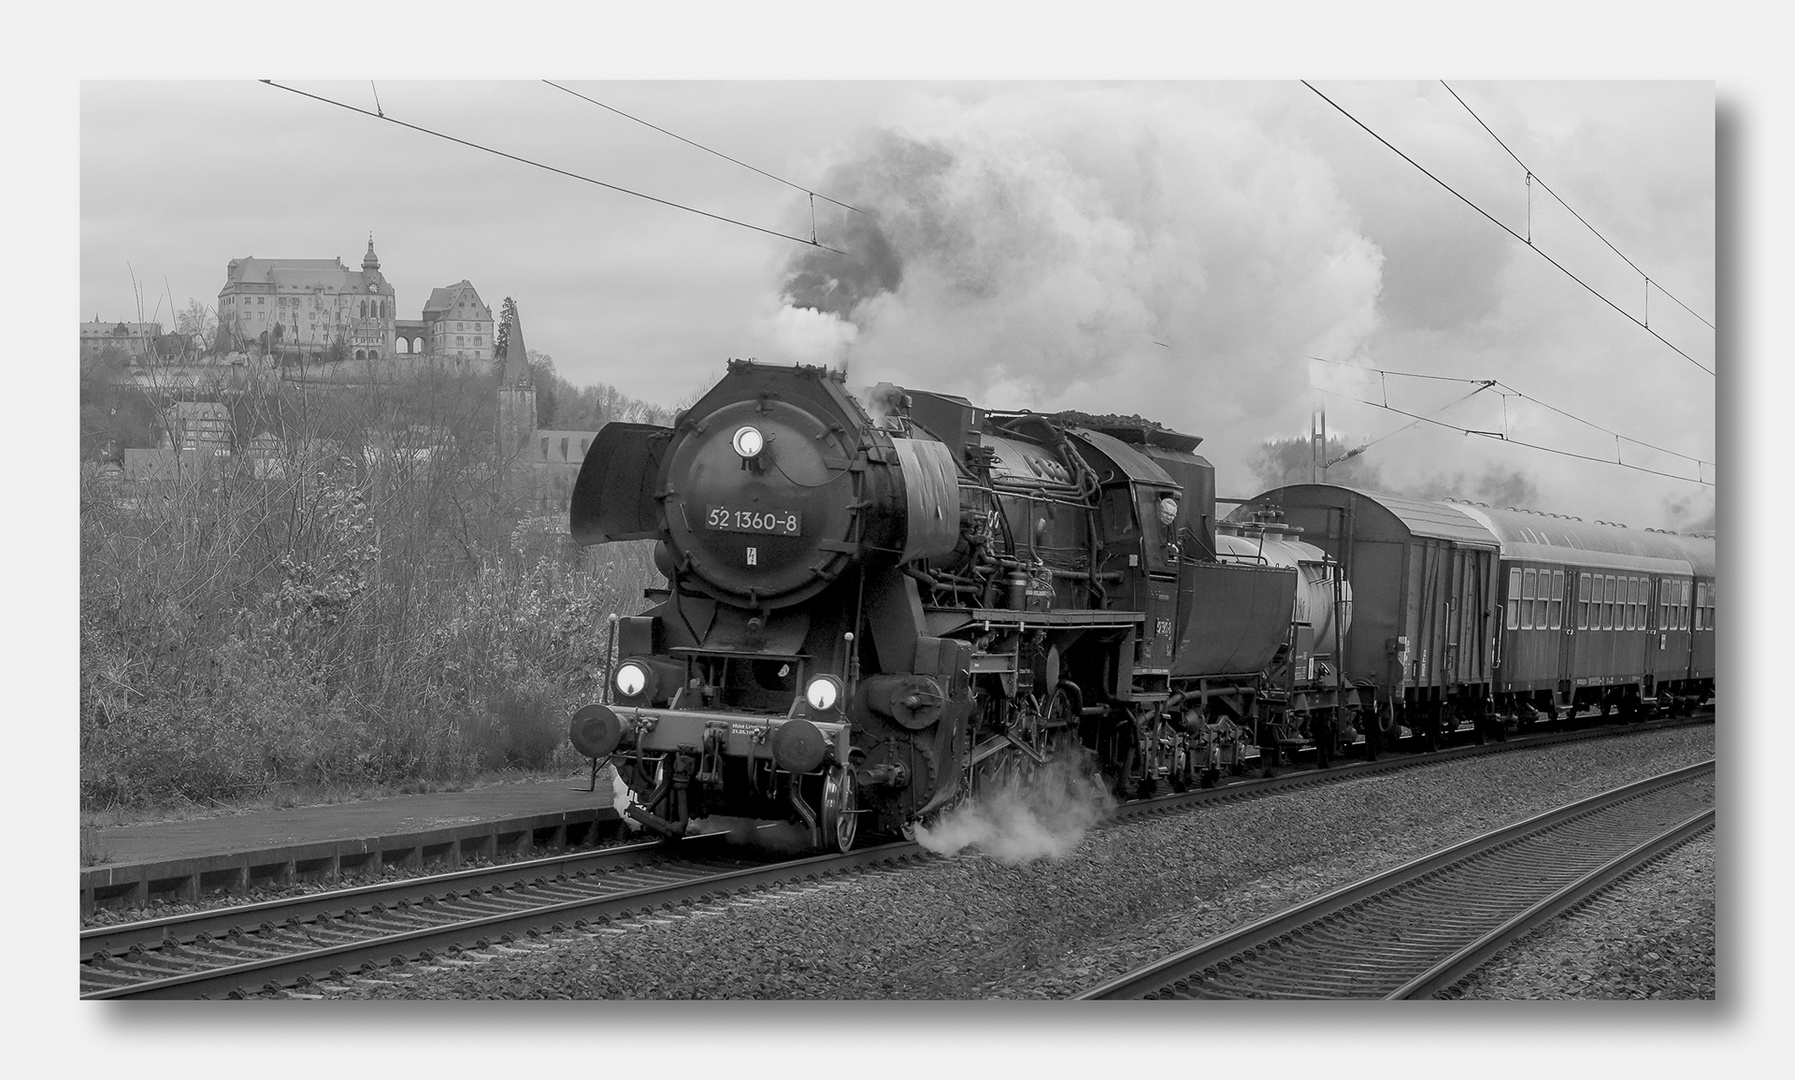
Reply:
x=967, y=926
x=1651, y=936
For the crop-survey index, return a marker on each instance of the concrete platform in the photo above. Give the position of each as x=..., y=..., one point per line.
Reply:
x=188, y=859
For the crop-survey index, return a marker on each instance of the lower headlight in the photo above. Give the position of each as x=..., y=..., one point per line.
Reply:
x=823, y=693
x=631, y=678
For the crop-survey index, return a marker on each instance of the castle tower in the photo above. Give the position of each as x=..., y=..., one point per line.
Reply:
x=517, y=387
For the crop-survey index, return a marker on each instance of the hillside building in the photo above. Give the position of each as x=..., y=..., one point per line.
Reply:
x=304, y=306
x=457, y=325
x=133, y=341
x=203, y=426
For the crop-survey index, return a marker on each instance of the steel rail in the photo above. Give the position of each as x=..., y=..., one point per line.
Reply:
x=425, y=942
x=1280, y=929
x=120, y=938
x=1456, y=967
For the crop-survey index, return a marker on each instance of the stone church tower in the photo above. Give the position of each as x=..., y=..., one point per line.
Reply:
x=517, y=389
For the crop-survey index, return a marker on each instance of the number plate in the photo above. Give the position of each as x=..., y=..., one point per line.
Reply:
x=731, y=519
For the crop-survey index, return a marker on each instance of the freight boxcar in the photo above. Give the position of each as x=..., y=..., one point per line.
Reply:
x=1422, y=647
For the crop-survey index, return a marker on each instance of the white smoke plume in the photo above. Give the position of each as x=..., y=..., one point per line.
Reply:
x=1127, y=251
x=1046, y=819
x=807, y=336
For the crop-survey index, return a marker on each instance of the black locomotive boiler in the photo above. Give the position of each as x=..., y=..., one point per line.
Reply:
x=875, y=609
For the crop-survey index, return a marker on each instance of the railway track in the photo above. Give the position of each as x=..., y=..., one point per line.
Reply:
x=233, y=951
x=287, y=942
x=1414, y=931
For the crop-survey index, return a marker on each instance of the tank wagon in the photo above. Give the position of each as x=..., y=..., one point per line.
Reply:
x=874, y=609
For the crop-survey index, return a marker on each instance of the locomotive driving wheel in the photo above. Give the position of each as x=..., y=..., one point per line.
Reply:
x=840, y=821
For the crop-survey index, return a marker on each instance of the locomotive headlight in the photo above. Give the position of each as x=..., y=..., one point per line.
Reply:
x=748, y=442
x=1168, y=511
x=632, y=678
x=823, y=693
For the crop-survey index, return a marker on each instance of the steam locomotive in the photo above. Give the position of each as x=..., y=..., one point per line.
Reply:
x=877, y=609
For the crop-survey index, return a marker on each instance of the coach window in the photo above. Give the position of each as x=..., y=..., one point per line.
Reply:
x=1582, y=601
x=1625, y=621
x=1640, y=594
x=1605, y=602
x=1514, y=598
x=1683, y=619
x=1527, y=587
x=1557, y=599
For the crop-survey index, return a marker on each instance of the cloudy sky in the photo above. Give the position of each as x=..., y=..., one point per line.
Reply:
x=1174, y=249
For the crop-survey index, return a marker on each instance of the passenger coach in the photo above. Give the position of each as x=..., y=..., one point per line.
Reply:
x=1596, y=615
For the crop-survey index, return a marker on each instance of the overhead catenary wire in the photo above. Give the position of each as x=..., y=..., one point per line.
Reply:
x=1533, y=178
x=708, y=150
x=1478, y=389
x=1507, y=391
x=554, y=169
x=1505, y=437
x=1505, y=228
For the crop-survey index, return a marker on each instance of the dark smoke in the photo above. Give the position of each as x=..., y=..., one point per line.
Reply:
x=1497, y=486
x=837, y=284
x=1288, y=461
x=898, y=183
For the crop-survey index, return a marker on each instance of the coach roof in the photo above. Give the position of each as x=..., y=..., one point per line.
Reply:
x=1535, y=537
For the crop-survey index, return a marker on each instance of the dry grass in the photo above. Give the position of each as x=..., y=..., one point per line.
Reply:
x=350, y=619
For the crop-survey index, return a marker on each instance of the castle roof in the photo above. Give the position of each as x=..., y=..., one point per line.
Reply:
x=328, y=274
x=443, y=300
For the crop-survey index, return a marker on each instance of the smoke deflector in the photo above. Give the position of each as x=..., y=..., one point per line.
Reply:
x=613, y=499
